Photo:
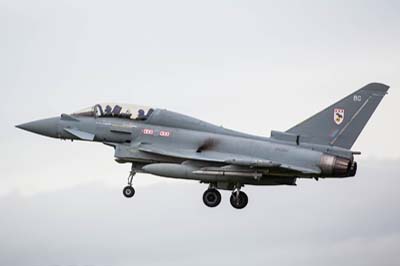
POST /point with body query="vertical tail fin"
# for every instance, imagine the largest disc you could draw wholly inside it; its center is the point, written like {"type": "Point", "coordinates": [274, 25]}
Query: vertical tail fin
{"type": "Point", "coordinates": [341, 123]}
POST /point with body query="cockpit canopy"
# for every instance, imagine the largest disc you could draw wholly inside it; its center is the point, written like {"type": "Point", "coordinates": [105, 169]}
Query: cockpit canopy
{"type": "Point", "coordinates": [128, 111]}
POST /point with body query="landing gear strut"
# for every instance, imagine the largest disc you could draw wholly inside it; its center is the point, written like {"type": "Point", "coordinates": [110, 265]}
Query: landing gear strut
{"type": "Point", "coordinates": [212, 197]}
{"type": "Point", "coordinates": [129, 191]}
{"type": "Point", "coordinates": [239, 199]}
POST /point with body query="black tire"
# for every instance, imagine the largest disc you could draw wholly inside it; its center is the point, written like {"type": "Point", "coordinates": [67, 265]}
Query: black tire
{"type": "Point", "coordinates": [212, 198]}
{"type": "Point", "coordinates": [239, 202]}
{"type": "Point", "coordinates": [129, 192]}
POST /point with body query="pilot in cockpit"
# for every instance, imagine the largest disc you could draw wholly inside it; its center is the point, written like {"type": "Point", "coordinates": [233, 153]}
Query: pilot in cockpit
{"type": "Point", "coordinates": [142, 115]}
{"type": "Point", "coordinates": [107, 111]}
{"type": "Point", "coordinates": [117, 111]}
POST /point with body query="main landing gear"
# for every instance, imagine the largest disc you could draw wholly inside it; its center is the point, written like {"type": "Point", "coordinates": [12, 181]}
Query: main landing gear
{"type": "Point", "coordinates": [239, 199]}
{"type": "Point", "coordinates": [212, 198]}
{"type": "Point", "coordinates": [129, 191]}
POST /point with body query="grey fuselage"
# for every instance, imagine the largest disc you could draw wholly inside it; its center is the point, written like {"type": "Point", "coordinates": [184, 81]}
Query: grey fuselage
{"type": "Point", "coordinates": [170, 144]}
{"type": "Point", "coordinates": [175, 132]}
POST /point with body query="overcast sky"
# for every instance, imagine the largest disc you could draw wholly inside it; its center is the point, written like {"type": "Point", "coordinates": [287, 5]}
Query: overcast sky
{"type": "Point", "coordinates": [254, 66]}
{"type": "Point", "coordinates": [331, 222]}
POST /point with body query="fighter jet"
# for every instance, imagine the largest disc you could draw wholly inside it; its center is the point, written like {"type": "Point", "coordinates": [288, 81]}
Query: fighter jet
{"type": "Point", "coordinates": [168, 144]}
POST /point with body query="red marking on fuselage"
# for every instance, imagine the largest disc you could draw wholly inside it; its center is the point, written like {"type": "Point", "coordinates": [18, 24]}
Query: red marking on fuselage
{"type": "Point", "coordinates": [165, 134]}
{"type": "Point", "coordinates": [147, 131]}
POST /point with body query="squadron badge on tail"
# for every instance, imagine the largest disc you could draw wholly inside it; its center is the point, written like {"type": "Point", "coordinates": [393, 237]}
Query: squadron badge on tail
{"type": "Point", "coordinates": [338, 116]}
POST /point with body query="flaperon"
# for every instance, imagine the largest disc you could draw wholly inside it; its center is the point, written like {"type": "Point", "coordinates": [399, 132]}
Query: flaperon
{"type": "Point", "coordinates": [169, 144]}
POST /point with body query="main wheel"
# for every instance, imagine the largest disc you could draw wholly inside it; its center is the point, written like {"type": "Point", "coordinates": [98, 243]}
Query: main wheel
{"type": "Point", "coordinates": [129, 191]}
{"type": "Point", "coordinates": [212, 198]}
{"type": "Point", "coordinates": [239, 202]}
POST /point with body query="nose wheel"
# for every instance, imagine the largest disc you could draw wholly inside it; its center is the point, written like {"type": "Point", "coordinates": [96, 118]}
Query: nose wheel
{"type": "Point", "coordinates": [129, 191]}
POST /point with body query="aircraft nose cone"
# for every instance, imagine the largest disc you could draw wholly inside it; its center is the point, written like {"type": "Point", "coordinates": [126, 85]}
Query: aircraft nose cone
{"type": "Point", "coordinates": [46, 127]}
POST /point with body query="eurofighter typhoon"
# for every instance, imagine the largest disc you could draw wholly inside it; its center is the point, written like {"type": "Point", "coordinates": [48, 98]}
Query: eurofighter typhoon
{"type": "Point", "coordinates": [168, 144]}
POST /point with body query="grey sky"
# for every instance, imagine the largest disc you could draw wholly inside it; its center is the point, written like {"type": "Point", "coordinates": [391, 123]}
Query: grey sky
{"type": "Point", "coordinates": [253, 66]}
{"type": "Point", "coordinates": [331, 222]}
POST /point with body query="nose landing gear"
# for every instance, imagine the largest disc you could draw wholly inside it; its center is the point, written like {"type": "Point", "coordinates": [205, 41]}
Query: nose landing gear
{"type": "Point", "coordinates": [129, 191]}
